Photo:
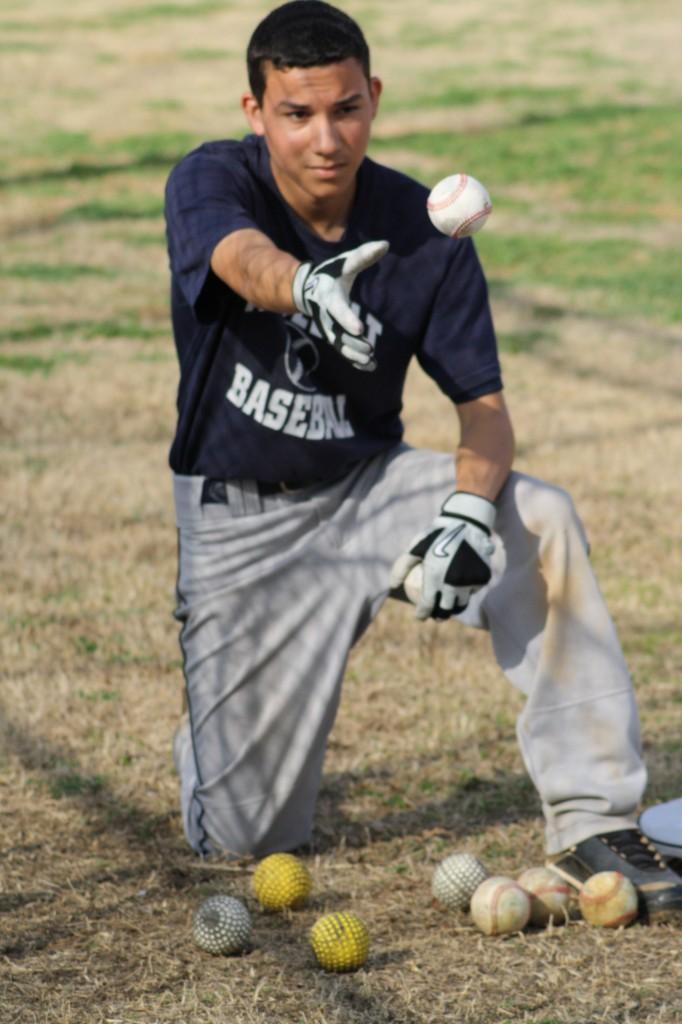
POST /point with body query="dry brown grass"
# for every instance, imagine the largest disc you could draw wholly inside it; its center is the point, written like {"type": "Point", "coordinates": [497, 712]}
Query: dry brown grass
{"type": "Point", "coordinates": [97, 887]}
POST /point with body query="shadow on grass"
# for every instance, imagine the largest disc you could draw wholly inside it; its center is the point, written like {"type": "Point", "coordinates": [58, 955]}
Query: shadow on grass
{"type": "Point", "coordinates": [469, 806]}
{"type": "Point", "coordinates": [59, 770]}
{"type": "Point", "coordinates": [82, 170]}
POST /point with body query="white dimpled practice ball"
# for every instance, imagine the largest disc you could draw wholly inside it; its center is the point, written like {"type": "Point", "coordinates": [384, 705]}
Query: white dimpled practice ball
{"type": "Point", "coordinates": [456, 879]}
{"type": "Point", "coordinates": [222, 925]}
{"type": "Point", "coordinates": [500, 906]}
{"type": "Point", "coordinates": [459, 205]}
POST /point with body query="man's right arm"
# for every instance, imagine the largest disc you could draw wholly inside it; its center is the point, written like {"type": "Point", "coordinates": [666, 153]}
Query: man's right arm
{"type": "Point", "coordinates": [272, 279]}
{"type": "Point", "coordinates": [256, 269]}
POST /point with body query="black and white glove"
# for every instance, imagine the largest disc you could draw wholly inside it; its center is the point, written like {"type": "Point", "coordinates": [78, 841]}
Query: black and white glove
{"type": "Point", "coordinates": [323, 293]}
{"type": "Point", "coordinates": [454, 553]}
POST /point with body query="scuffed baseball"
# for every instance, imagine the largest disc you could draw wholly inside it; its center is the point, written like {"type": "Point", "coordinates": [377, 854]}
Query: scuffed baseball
{"type": "Point", "coordinates": [459, 205]}
{"type": "Point", "coordinates": [549, 895]}
{"type": "Point", "coordinates": [456, 879]}
{"type": "Point", "coordinates": [608, 900]}
{"type": "Point", "coordinates": [499, 906]}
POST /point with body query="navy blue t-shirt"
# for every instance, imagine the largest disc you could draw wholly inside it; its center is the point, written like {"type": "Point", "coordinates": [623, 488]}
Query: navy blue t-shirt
{"type": "Point", "coordinates": [261, 395]}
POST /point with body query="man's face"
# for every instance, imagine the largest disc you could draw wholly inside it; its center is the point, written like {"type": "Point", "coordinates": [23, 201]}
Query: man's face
{"type": "Point", "coordinates": [316, 123]}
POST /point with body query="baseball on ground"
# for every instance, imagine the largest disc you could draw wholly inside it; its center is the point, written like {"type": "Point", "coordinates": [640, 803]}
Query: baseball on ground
{"type": "Point", "coordinates": [456, 879]}
{"type": "Point", "coordinates": [281, 880]}
{"type": "Point", "coordinates": [459, 205]}
{"type": "Point", "coordinates": [549, 896]}
{"type": "Point", "coordinates": [500, 906]}
{"type": "Point", "coordinates": [608, 900]}
{"type": "Point", "coordinates": [222, 924]}
{"type": "Point", "coordinates": [340, 942]}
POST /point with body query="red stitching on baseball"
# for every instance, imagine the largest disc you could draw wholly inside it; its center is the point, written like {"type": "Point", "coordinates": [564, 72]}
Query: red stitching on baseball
{"type": "Point", "coordinates": [441, 204]}
{"type": "Point", "coordinates": [595, 899]}
{"type": "Point", "coordinates": [498, 892]}
{"type": "Point", "coordinates": [472, 220]}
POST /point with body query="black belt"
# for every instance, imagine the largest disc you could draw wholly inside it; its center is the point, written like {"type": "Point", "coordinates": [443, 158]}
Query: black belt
{"type": "Point", "coordinates": [214, 492]}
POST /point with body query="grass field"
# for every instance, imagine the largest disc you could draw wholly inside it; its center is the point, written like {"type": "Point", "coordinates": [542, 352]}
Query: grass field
{"type": "Point", "coordinates": [570, 114]}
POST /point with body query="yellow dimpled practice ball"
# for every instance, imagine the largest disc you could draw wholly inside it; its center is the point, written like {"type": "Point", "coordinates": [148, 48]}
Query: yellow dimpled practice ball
{"type": "Point", "coordinates": [340, 942]}
{"type": "Point", "coordinates": [281, 880]}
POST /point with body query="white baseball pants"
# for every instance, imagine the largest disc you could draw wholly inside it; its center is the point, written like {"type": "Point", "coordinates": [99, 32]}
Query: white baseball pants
{"type": "Point", "coordinates": [274, 591]}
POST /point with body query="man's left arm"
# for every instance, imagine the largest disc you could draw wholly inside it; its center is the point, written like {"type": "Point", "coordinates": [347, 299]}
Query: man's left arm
{"type": "Point", "coordinates": [486, 446]}
{"type": "Point", "coordinates": [455, 551]}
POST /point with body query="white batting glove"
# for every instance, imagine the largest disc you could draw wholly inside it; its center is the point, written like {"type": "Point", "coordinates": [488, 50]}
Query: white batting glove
{"type": "Point", "coordinates": [323, 293]}
{"type": "Point", "coordinates": [455, 553]}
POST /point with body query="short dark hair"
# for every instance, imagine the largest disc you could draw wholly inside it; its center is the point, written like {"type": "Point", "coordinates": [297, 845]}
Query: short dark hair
{"type": "Point", "coordinates": [303, 34]}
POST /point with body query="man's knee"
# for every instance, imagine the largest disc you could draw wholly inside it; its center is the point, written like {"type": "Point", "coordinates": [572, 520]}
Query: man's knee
{"type": "Point", "coordinates": [546, 510]}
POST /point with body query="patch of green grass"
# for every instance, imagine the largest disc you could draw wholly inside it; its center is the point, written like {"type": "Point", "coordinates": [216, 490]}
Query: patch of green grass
{"type": "Point", "coordinates": [75, 784]}
{"type": "Point", "coordinates": [28, 332]}
{"type": "Point", "coordinates": [87, 159]}
{"type": "Point", "coordinates": [590, 60]}
{"type": "Point", "coordinates": [99, 695]}
{"type": "Point", "coordinates": [124, 329]}
{"type": "Point", "coordinates": [607, 158]}
{"type": "Point", "coordinates": [523, 341]}
{"type": "Point", "coordinates": [202, 53]}
{"type": "Point", "coordinates": [144, 240]}
{"type": "Point", "coordinates": [154, 144]}
{"type": "Point", "coordinates": [7, 25]}
{"type": "Point", "coordinates": [130, 208]}
{"type": "Point", "coordinates": [64, 143]}
{"type": "Point", "coordinates": [165, 104]}
{"type": "Point", "coordinates": [163, 11]}
{"type": "Point", "coordinates": [54, 271]}
{"type": "Point", "coordinates": [437, 92]}
{"type": "Point", "coordinates": [653, 642]}
{"type": "Point", "coordinates": [70, 592]}
{"type": "Point", "coordinates": [83, 330]}
{"type": "Point", "coordinates": [132, 16]}
{"type": "Point", "coordinates": [22, 46]}
{"type": "Point", "coordinates": [28, 364]}
{"type": "Point", "coordinates": [603, 276]}
{"type": "Point", "coordinates": [85, 645]}
{"type": "Point", "coordinates": [162, 356]}
{"type": "Point", "coordinates": [418, 34]}
{"type": "Point", "coordinates": [36, 464]}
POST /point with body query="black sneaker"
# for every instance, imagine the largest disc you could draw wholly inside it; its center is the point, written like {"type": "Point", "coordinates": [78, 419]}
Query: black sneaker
{"type": "Point", "coordinates": [631, 853]}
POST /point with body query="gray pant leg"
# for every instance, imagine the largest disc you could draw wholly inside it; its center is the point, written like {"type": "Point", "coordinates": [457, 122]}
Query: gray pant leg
{"type": "Point", "coordinates": [265, 636]}
{"type": "Point", "coordinates": [555, 641]}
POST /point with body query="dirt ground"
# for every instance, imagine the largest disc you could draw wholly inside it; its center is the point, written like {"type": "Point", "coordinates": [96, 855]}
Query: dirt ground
{"type": "Point", "coordinates": [97, 885]}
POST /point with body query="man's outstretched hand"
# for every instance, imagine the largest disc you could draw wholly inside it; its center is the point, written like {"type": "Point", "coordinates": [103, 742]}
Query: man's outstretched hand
{"type": "Point", "coordinates": [322, 292]}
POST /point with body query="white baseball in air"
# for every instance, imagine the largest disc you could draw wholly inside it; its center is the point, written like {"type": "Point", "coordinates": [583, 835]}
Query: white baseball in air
{"type": "Point", "coordinates": [459, 205]}
{"type": "Point", "coordinates": [413, 583]}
